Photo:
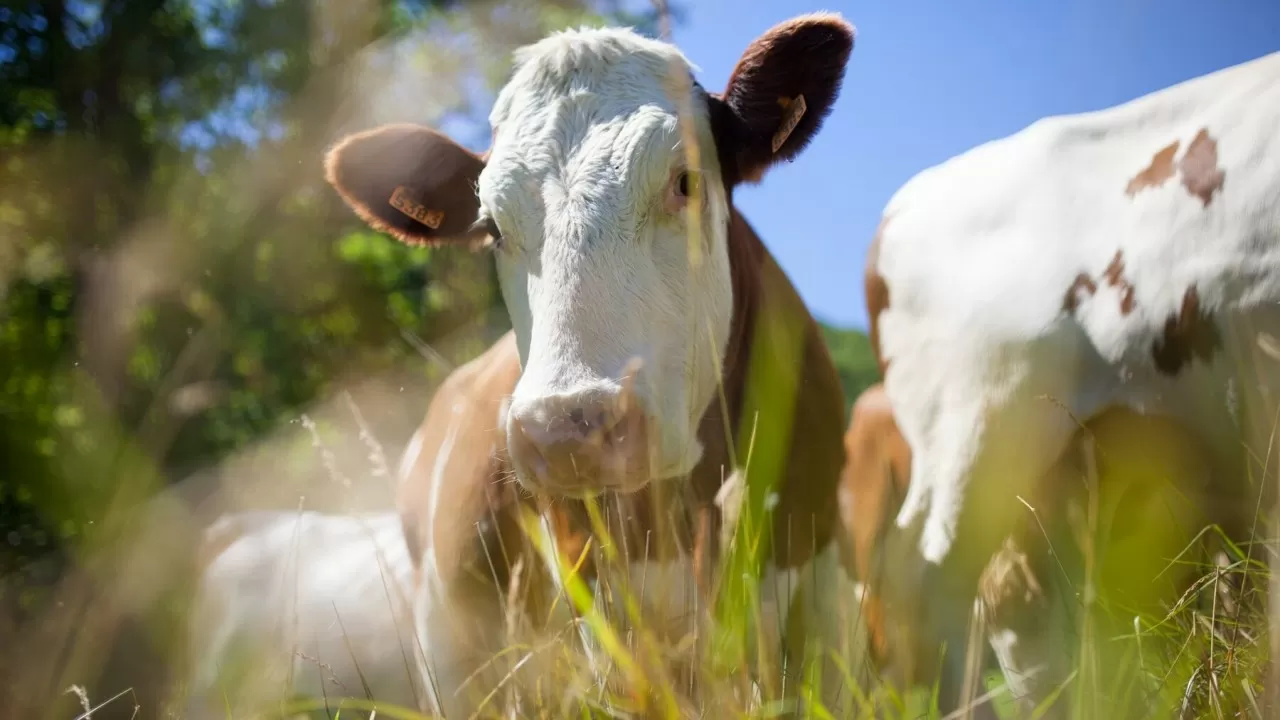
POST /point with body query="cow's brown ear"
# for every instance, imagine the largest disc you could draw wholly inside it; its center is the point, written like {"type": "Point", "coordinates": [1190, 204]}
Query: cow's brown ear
{"type": "Point", "coordinates": [781, 90]}
{"type": "Point", "coordinates": [408, 181]}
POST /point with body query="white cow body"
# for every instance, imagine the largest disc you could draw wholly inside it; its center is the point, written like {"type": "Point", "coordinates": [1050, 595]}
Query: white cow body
{"type": "Point", "coordinates": [306, 597]}
{"type": "Point", "coordinates": [990, 367]}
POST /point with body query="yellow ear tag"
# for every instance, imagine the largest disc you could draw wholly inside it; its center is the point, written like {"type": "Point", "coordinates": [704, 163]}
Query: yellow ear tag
{"type": "Point", "coordinates": [795, 110]}
{"type": "Point", "coordinates": [401, 201]}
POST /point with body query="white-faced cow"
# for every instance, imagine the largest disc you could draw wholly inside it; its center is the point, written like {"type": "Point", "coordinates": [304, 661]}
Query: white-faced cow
{"type": "Point", "coordinates": [657, 340]}
{"type": "Point", "coordinates": [1125, 257]}
{"type": "Point", "coordinates": [302, 603]}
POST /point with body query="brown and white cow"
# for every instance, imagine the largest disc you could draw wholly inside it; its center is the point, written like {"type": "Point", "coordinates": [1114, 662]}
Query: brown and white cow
{"type": "Point", "coordinates": [1125, 257]}
{"type": "Point", "coordinates": [1154, 496]}
{"type": "Point", "coordinates": [658, 343]}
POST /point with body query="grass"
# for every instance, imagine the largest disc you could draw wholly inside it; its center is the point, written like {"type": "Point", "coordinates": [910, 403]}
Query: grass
{"type": "Point", "coordinates": [1200, 653]}
{"type": "Point", "coordinates": [1197, 652]}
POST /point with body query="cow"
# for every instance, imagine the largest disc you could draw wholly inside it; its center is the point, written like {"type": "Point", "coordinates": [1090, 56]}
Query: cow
{"type": "Point", "coordinates": [1149, 466]}
{"type": "Point", "coordinates": [659, 344]}
{"type": "Point", "coordinates": [1119, 258]}
{"type": "Point", "coordinates": [302, 603]}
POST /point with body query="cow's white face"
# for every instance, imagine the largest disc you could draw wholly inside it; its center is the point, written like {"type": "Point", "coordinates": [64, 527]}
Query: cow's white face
{"type": "Point", "coordinates": [587, 188]}
{"type": "Point", "coordinates": [620, 295]}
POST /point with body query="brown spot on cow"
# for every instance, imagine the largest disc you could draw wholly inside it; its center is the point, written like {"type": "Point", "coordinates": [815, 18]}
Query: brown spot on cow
{"type": "Point", "coordinates": [1126, 300]}
{"type": "Point", "coordinates": [1114, 275]}
{"type": "Point", "coordinates": [1201, 175]}
{"type": "Point", "coordinates": [1157, 173]}
{"type": "Point", "coordinates": [1072, 299]}
{"type": "Point", "coordinates": [1115, 269]}
{"type": "Point", "coordinates": [877, 294]}
{"type": "Point", "coordinates": [1188, 334]}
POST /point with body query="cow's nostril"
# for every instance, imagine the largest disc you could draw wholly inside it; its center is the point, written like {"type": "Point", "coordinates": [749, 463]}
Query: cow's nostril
{"type": "Point", "coordinates": [593, 425]}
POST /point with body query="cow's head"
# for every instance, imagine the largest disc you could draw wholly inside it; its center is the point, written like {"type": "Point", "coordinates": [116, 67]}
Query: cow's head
{"type": "Point", "coordinates": [620, 296]}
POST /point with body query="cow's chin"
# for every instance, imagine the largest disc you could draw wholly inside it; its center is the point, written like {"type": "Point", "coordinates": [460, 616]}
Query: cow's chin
{"type": "Point", "coordinates": [616, 476]}
{"type": "Point", "coordinates": [583, 488]}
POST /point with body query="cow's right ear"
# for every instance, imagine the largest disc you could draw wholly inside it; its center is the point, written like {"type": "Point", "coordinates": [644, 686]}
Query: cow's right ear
{"type": "Point", "coordinates": [408, 181]}
{"type": "Point", "coordinates": [781, 90]}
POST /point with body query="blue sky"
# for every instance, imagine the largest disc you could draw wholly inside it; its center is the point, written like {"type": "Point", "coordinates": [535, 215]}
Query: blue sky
{"type": "Point", "coordinates": [929, 80]}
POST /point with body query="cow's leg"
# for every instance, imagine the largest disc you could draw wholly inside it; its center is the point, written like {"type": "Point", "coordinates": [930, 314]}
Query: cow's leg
{"type": "Point", "coordinates": [1027, 593]}
{"type": "Point", "coordinates": [1028, 621]}
{"type": "Point", "coordinates": [1153, 478]}
{"type": "Point", "coordinates": [944, 598]}
{"type": "Point", "coordinates": [1255, 339]}
{"type": "Point", "coordinates": [1143, 478]}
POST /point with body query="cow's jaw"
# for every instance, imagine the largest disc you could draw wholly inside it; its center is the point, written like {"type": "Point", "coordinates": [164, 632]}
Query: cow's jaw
{"type": "Point", "coordinates": [620, 320]}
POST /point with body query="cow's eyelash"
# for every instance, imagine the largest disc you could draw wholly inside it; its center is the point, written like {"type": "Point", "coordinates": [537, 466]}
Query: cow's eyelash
{"type": "Point", "coordinates": [487, 225]}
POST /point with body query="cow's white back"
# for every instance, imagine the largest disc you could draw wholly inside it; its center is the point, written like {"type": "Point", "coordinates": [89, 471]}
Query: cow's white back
{"type": "Point", "coordinates": [332, 588]}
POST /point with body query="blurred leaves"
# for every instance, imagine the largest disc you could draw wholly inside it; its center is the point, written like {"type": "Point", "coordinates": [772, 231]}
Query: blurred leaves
{"type": "Point", "coordinates": [854, 358]}
{"type": "Point", "coordinates": [176, 280]}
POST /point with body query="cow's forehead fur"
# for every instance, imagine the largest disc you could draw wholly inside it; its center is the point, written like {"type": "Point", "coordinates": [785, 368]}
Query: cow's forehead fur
{"type": "Point", "coordinates": [595, 105]}
{"type": "Point", "coordinates": [615, 63]}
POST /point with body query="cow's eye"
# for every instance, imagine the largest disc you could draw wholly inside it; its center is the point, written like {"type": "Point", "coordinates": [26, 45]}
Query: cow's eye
{"type": "Point", "coordinates": [682, 184]}
{"type": "Point", "coordinates": [491, 229]}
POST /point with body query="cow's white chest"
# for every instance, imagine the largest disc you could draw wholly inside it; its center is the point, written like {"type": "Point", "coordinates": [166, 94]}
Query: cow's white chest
{"type": "Point", "coordinates": [301, 592]}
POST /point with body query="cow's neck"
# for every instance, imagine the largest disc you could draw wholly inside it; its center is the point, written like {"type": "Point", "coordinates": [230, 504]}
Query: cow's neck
{"type": "Point", "coordinates": [785, 400]}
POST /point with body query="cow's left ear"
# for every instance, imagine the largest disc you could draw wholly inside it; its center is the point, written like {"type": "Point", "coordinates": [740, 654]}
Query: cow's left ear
{"type": "Point", "coordinates": [409, 181]}
{"type": "Point", "coordinates": [780, 92]}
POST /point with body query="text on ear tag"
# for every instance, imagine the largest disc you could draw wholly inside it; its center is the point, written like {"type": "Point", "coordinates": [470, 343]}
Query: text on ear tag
{"type": "Point", "coordinates": [401, 201]}
{"type": "Point", "coordinates": [795, 110]}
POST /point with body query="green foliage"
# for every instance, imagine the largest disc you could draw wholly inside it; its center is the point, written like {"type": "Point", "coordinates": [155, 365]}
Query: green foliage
{"type": "Point", "coordinates": [855, 360]}
{"type": "Point", "coordinates": [176, 280]}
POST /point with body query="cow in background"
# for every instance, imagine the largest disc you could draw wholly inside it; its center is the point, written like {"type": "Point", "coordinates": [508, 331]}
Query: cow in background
{"type": "Point", "coordinates": [1151, 482]}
